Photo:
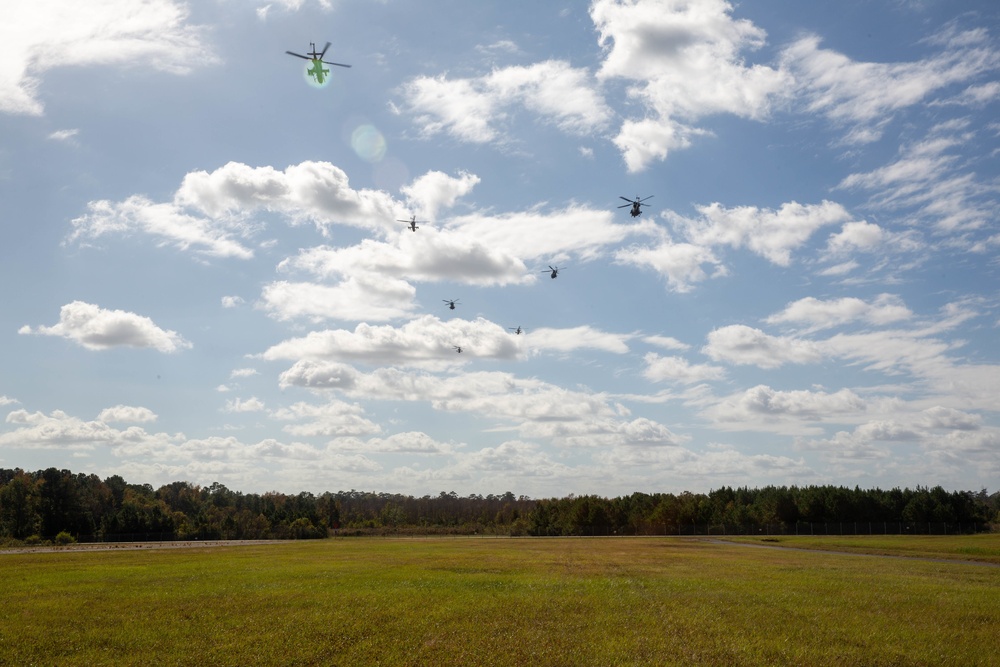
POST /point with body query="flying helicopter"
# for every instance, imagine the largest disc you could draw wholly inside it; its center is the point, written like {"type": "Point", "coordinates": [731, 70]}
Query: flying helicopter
{"type": "Point", "coordinates": [635, 204]}
{"type": "Point", "coordinates": [554, 270]}
{"type": "Point", "coordinates": [457, 348]}
{"type": "Point", "coordinates": [518, 331]}
{"type": "Point", "coordinates": [412, 222]}
{"type": "Point", "coordinates": [451, 303]}
{"type": "Point", "coordinates": [317, 71]}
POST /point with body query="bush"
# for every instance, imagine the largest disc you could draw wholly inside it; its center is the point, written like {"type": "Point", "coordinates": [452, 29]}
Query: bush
{"type": "Point", "coordinates": [64, 538]}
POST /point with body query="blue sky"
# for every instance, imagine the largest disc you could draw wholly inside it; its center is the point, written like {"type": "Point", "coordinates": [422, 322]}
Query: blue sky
{"type": "Point", "coordinates": [205, 280]}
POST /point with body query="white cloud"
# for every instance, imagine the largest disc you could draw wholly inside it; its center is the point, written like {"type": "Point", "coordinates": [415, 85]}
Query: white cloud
{"type": "Point", "coordinates": [860, 235]}
{"type": "Point", "coordinates": [243, 372]}
{"type": "Point", "coordinates": [318, 192]}
{"type": "Point", "coordinates": [688, 59]}
{"type": "Point", "coordinates": [575, 338]}
{"type": "Point", "coordinates": [210, 212]}
{"type": "Point", "coordinates": [409, 442]}
{"type": "Point", "coordinates": [232, 301]}
{"type": "Point", "coordinates": [548, 235]}
{"type": "Point", "coordinates": [252, 404]}
{"type": "Point", "coordinates": [42, 35]}
{"type": "Point", "coordinates": [678, 369]}
{"type": "Point", "coordinates": [435, 191]}
{"type": "Point", "coordinates": [165, 221]}
{"type": "Point", "coordinates": [428, 256]}
{"type": "Point", "coordinates": [667, 342]}
{"type": "Point", "coordinates": [367, 296]}
{"type": "Point", "coordinates": [65, 135]}
{"type": "Point", "coordinates": [930, 182]}
{"type": "Point", "coordinates": [6, 400]}
{"type": "Point", "coordinates": [471, 109]}
{"type": "Point", "coordinates": [680, 263]}
{"type": "Point", "coordinates": [742, 345]}
{"type": "Point", "coordinates": [425, 341]}
{"type": "Point", "coordinates": [864, 96]}
{"type": "Point", "coordinates": [127, 413]}
{"type": "Point", "coordinates": [334, 418]}
{"type": "Point", "coordinates": [58, 430]}
{"type": "Point", "coordinates": [772, 234]}
{"type": "Point", "coordinates": [98, 329]}
{"type": "Point", "coordinates": [818, 314]}
{"type": "Point", "coordinates": [761, 407]}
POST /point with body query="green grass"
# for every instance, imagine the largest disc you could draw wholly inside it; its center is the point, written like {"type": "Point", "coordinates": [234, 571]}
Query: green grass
{"type": "Point", "coordinates": [618, 601]}
{"type": "Point", "coordinates": [981, 548]}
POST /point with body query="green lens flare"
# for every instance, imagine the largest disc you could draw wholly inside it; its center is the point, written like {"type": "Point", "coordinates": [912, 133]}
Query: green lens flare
{"type": "Point", "coordinates": [368, 143]}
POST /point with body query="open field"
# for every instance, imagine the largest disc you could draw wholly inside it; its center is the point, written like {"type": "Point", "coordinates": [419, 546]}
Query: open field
{"type": "Point", "coordinates": [624, 601]}
{"type": "Point", "coordinates": [984, 547]}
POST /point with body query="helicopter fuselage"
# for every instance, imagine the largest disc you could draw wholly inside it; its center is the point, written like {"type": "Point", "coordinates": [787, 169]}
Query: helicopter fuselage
{"type": "Point", "coordinates": [317, 71]}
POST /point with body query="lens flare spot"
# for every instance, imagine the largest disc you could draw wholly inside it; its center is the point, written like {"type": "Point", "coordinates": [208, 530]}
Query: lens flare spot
{"type": "Point", "coordinates": [368, 143]}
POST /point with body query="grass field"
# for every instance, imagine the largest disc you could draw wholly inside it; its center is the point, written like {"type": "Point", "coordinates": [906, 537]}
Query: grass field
{"type": "Point", "coordinates": [981, 548]}
{"type": "Point", "coordinates": [624, 601]}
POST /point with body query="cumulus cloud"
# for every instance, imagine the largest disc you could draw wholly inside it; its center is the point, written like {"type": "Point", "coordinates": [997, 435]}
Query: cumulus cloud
{"type": "Point", "coordinates": [6, 400]}
{"type": "Point", "coordinates": [252, 404]}
{"type": "Point", "coordinates": [435, 190]}
{"type": "Point", "coordinates": [368, 297]}
{"type": "Point", "coordinates": [679, 369]}
{"type": "Point", "coordinates": [166, 222]}
{"type": "Point", "coordinates": [98, 329]}
{"type": "Point", "coordinates": [680, 263]}
{"type": "Point", "coordinates": [667, 342]}
{"type": "Point", "coordinates": [59, 430]}
{"type": "Point", "coordinates": [232, 301]}
{"type": "Point", "coordinates": [471, 109]}
{"type": "Point", "coordinates": [429, 256]}
{"type": "Point", "coordinates": [425, 341]}
{"type": "Point", "coordinates": [770, 233]}
{"type": "Point", "coordinates": [742, 345]}
{"type": "Point", "coordinates": [127, 413]}
{"type": "Point", "coordinates": [689, 62]}
{"type": "Point", "coordinates": [210, 210]}
{"type": "Point", "coordinates": [575, 338]}
{"type": "Point", "coordinates": [45, 34]}
{"type": "Point", "coordinates": [409, 442]}
{"type": "Point", "coordinates": [335, 419]}
{"type": "Point", "coordinates": [548, 234]}
{"type": "Point", "coordinates": [761, 407]}
{"type": "Point", "coordinates": [819, 314]}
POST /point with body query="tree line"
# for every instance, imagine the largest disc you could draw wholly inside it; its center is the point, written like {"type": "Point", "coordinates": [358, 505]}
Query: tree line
{"type": "Point", "coordinates": [64, 506]}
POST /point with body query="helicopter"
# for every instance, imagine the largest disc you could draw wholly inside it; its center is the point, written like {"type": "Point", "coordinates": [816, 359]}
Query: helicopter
{"type": "Point", "coordinates": [518, 331]}
{"type": "Point", "coordinates": [317, 71]}
{"type": "Point", "coordinates": [457, 348]}
{"type": "Point", "coordinates": [451, 303]}
{"type": "Point", "coordinates": [635, 204]}
{"type": "Point", "coordinates": [555, 271]}
{"type": "Point", "coordinates": [412, 222]}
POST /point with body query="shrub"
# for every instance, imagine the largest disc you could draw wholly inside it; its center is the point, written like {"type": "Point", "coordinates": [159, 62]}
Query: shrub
{"type": "Point", "coordinates": [64, 538]}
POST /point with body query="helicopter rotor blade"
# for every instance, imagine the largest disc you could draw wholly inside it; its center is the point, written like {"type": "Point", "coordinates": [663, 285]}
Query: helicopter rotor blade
{"type": "Point", "coordinates": [298, 55]}
{"type": "Point", "coordinates": [624, 205]}
{"type": "Point", "coordinates": [323, 52]}
{"type": "Point", "coordinates": [337, 64]}
{"type": "Point", "coordinates": [626, 199]}
{"type": "Point", "coordinates": [645, 198]}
